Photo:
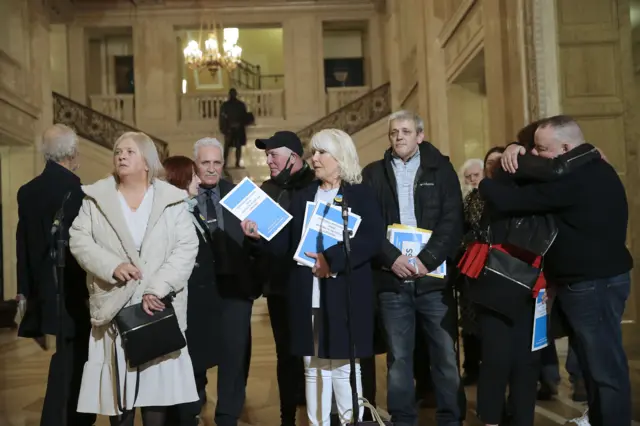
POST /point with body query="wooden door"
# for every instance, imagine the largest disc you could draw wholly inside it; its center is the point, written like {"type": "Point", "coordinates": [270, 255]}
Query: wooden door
{"type": "Point", "coordinates": [597, 88]}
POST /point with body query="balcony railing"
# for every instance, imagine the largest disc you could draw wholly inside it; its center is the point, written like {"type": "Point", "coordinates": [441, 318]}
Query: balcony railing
{"type": "Point", "coordinates": [120, 107]}
{"type": "Point", "coordinates": [95, 126]}
{"type": "Point", "coordinates": [354, 116]}
{"type": "Point", "coordinates": [262, 103]}
{"type": "Point", "coordinates": [337, 97]}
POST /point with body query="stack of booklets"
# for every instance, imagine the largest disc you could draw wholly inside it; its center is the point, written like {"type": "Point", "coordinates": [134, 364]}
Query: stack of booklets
{"type": "Point", "coordinates": [410, 241]}
{"type": "Point", "coordinates": [323, 228]}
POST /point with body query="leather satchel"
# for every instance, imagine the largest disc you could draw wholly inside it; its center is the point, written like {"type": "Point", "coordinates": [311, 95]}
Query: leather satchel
{"type": "Point", "coordinates": [505, 284]}
{"type": "Point", "coordinates": [146, 337]}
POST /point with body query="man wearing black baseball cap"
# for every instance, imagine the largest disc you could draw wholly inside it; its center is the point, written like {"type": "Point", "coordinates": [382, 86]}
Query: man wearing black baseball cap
{"type": "Point", "coordinates": [289, 173]}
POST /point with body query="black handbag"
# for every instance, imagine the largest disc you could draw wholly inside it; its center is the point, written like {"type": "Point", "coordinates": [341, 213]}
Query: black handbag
{"type": "Point", "coordinates": [505, 284]}
{"type": "Point", "coordinates": [146, 337]}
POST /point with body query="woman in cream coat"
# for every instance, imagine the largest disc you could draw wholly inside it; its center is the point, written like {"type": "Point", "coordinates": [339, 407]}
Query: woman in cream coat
{"type": "Point", "coordinates": [135, 239]}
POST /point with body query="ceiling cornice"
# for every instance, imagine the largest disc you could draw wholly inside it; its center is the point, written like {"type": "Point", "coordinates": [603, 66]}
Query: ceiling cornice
{"type": "Point", "coordinates": [190, 12]}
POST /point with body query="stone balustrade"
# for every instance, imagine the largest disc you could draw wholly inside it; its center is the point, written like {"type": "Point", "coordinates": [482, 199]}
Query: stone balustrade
{"type": "Point", "coordinates": [121, 107]}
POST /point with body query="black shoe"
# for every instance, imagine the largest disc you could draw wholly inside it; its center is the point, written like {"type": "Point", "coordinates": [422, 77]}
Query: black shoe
{"type": "Point", "coordinates": [547, 391]}
{"type": "Point", "coordinates": [579, 392]}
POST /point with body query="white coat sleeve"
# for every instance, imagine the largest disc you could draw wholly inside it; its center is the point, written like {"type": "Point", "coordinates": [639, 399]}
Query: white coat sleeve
{"type": "Point", "coordinates": [176, 270]}
{"type": "Point", "coordinates": [92, 257]}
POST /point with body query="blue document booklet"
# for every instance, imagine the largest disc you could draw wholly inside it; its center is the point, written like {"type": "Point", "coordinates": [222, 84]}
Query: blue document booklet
{"type": "Point", "coordinates": [410, 241]}
{"type": "Point", "coordinates": [540, 339]}
{"type": "Point", "coordinates": [323, 230]}
{"type": "Point", "coordinates": [247, 201]}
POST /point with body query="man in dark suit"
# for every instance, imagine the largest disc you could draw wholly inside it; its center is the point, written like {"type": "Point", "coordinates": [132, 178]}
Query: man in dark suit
{"type": "Point", "coordinates": [233, 121]}
{"type": "Point", "coordinates": [233, 276]}
{"type": "Point", "coordinates": [39, 203]}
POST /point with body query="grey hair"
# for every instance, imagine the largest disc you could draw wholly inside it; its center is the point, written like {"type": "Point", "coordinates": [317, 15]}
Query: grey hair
{"type": "Point", "coordinates": [470, 162]}
{"type": "Point", "coordinates": [565, 129]}
{"type": "Point", "coordinates": [341, 147]}
{"type": "Point", "coordinates": [149, 153]}
{"type": "Point", "coordinates": [569, 133]}
{"type": "Point", "coordinates": [200, 143]}
{"type": "Point", "coordinates": [59, 143]}
{"type": "Point", "coordinates": [409, 116]}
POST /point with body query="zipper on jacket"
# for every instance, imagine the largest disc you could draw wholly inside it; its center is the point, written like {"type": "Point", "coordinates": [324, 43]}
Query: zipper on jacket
{"type": "Point", "coordinates": [582, 155]}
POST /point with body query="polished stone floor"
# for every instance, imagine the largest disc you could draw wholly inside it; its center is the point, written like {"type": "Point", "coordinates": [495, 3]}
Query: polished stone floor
{"type": "Point", "coordinates": [24, 365]}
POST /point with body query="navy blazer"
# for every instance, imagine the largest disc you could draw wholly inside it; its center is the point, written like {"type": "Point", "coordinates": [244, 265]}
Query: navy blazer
{"type": "Point", "coordinates": [332, 323]}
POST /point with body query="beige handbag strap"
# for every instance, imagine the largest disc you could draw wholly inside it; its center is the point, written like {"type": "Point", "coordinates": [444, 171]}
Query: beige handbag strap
{"type": "Point", "coordinates": [374, 413]}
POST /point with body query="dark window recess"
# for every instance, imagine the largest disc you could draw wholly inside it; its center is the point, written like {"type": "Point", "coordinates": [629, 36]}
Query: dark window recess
{"type": "Point", "coordinates": [344, 72]}
{"type": "Point", "coordinates": [124, 74]}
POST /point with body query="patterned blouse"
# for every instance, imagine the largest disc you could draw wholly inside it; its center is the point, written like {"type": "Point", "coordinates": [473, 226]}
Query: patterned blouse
{"type": "Point", "coordinates": [473, 207]}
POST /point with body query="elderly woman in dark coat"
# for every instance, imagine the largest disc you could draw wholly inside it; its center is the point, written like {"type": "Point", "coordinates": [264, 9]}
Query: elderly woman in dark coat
{"type": "Point", "coordinates": [318, 295]}
{"type": "Point", "coordinates": [203, 300]}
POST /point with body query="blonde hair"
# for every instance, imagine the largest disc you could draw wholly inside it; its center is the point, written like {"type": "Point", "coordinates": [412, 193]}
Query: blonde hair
{"type": "Point", "coordinates": [341, 147]}
{"type": "Point", "coordinates": [149, 154]}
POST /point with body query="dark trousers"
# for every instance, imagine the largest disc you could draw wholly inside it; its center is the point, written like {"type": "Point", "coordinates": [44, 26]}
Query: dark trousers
{"type": "Point", "coordinates": [472, 353]}
{"type": "Point", "coordinates": [507, 360]}
{"type": "Point", "coordinates": [436, 315]}
{"type": "Point", "coordinates": [233, 370]}
{"type": "Point", "coordinates": [594, 311]}
{"type": "Point", "coordinates": [233, 139]}
{"type": "Point", "coordinates": [550, 372]}
{"type": "Point", "coordinates": [290, 369]}
{"type": "Point", "coordinates": [74, 355]}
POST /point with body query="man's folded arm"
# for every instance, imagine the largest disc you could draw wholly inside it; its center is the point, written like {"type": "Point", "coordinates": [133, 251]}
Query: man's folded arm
{"type": "Point", "coordinates": [534, 198]}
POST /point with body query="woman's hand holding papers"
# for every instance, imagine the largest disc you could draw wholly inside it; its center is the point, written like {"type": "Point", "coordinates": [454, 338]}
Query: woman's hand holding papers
{"type": "Point", "coordinates": [250, 229]}
{"type": "Point", "coordinates": [321, 268]}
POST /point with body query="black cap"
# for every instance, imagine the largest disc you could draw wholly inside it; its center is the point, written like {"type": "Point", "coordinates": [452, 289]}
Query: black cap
{"type": "Point", "coordinates": [279, 139]}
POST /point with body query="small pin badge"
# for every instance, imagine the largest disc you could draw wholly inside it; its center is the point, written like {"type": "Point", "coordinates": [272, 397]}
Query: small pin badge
{"type": "Point", "coordinates": [338, 199]}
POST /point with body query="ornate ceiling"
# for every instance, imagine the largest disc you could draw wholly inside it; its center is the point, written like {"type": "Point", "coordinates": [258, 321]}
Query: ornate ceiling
{"type": "Point", "coordinates": [205, 2]}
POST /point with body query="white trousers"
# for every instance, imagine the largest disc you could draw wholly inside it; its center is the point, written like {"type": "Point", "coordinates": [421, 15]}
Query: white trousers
{"type": "Point", "coordinates": [325, 378]}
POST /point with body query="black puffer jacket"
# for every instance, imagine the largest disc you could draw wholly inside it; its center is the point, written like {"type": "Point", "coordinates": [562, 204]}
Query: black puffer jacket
{"type": "Point", "coordinates": [438, 207]}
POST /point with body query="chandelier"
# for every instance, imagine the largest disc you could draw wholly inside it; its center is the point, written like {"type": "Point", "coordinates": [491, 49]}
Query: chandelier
{"type": "Point", "coordinates": [216, 55]}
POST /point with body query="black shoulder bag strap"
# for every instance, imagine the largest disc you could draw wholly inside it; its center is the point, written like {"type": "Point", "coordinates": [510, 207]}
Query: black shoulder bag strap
{"type": "Point", "coordinates": [121, 402]}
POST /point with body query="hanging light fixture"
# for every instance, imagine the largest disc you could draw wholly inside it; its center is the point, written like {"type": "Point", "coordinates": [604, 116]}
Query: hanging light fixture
{"type": "Point", "coordinates": [216, 55]}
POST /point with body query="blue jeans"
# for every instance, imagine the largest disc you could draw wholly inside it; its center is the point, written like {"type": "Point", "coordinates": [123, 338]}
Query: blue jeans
{"type": "Point", "coordinates": [435, 311]}
{"type": "Point", "coordinates": [594, 311]}
{"type": "Point", "coordinates": [550, 372]}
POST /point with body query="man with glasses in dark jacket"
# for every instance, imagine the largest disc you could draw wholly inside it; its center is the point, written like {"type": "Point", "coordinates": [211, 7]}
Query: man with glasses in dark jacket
{"type": "Point", "coordinates": [417, 186]}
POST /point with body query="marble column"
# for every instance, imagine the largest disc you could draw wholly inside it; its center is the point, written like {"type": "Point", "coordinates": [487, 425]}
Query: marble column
{"type": "Point", "coordinates": [59, 54]}
{"type": "Point", "coordinates": [20, 163]}
{"type": "Point", "coordinates": [303, 70]}
{"type": "Point", "coordinates": [505, 88]}
{"type": "Point", "coordinates": [375, 58]}
{"type": "Point", "coordinates": [77, 48]}
{"type": "Point", "coordinates": [155, 73]}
